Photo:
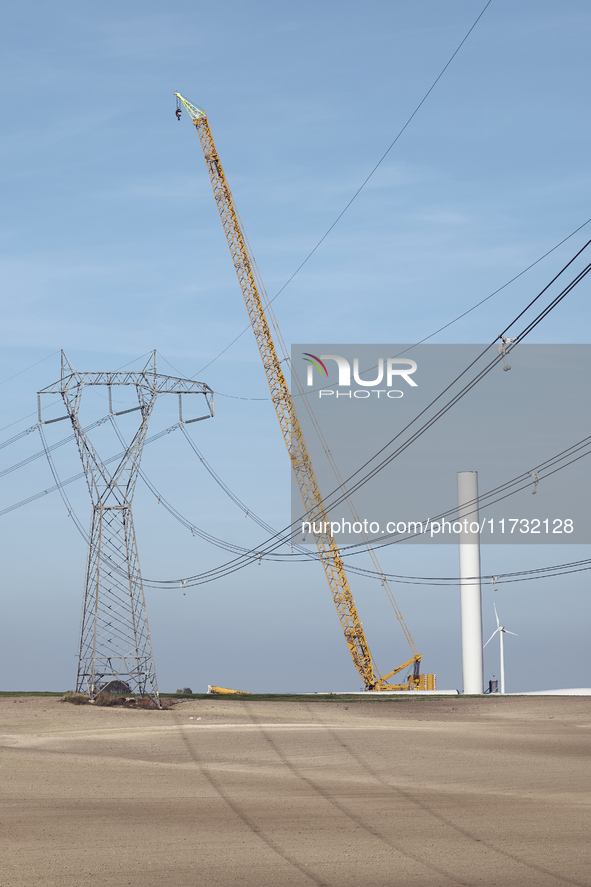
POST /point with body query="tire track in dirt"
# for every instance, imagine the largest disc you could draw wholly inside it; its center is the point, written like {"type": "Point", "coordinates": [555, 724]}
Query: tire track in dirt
{"type": "Point", "coordinates": [237, 810]}
{"type": "Point", "coordinates": [436, 815]}
{"type": "Point", "coordinates": [353, 817]}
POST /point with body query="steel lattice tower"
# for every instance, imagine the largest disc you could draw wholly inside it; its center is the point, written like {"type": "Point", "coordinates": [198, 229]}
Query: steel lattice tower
{"type": "Point", "coordinates": [114, 637]}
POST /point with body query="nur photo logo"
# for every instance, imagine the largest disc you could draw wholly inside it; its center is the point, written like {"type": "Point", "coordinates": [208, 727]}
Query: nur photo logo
{"type": "Point", "coordinates": [387, 371]}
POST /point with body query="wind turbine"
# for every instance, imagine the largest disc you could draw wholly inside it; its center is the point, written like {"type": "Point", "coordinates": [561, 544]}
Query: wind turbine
{"type": "Point", "coordinates": [501, 630]}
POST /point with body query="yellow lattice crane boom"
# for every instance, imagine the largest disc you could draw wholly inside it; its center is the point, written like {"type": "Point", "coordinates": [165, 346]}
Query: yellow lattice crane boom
{"type": "Point", "coordinates": [256, 300]}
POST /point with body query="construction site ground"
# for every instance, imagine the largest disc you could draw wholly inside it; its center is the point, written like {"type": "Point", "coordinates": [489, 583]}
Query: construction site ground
{"type": "Point", "coordinates": [341, 792]}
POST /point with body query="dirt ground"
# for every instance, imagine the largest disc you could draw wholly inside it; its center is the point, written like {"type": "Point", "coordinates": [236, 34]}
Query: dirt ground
{"type": "Point", "coordinates": [440, 791]}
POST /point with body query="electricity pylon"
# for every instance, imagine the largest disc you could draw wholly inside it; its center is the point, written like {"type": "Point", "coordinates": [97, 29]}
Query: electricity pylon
{"type": "Point", "coordinates": [114, 637]}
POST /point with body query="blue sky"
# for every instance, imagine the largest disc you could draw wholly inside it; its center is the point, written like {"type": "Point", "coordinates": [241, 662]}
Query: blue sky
{"type": "Point", "coordinates": [111, 246]}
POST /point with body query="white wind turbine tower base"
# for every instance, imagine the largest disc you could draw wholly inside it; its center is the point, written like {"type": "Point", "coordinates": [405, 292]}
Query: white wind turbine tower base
{"type": "Point", "coordinates": [501, 631]}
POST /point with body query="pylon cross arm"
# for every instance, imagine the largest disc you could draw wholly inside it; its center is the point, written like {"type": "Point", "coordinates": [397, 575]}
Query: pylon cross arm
{"type": "Point", "coordinates": [147, 384]}
{"type": "Point", "coordinates": [152, 382]}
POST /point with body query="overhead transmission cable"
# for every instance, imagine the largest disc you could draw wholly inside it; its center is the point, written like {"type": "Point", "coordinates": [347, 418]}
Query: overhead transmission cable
{"type": "Point", "coordinates": [18, 437]}
{"type": "Point", "coordinates": [420, 342]}
{"type": "Point", "coordinates": [54, 446]}
{"type": "Point", "coordinates": [425, 338]}
{"type": "Point", "coordinates": [258, 553]}
{"type": "Point", "coordinates": [348, 551]}
{"type": "Point", "coordinates": [26, 369]}
{"type": "Point", "coordinates": [194, 529]}
{"type": "Point", "coordinates": [515, 576]}
{"type": "Point", "coordinates": [524, 479]}
{"type": "Point", "coordinates": [81, 474]}
{"type": "Point", "coordinates": [330, 505]}
{"type": "Point", "coordinates": [281, 536]}
{"type": "Point", "coordinates": [364, 183]}
{"type": "Point", "coordinates": [329, 500]}
{"type": "Point", "coordinates": [276, 540]}
{"type": "Point", "coordinates": [542, 572]}
{"type": "Point", "coordinates": [504, 286]}
{"type": "Point", "coordinates": [555, 301]}
{"type": "Point", "coordinates": [556, 462]}
{"type": "Point", "coordinates": [60, 486]}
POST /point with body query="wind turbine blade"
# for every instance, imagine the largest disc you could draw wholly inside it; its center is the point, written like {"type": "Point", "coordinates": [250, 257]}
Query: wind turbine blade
{"type": "Point", "coordinates": [511, 632]}
{"type": "Point", "coordinates": [491, 637]}
{"type": "Point", "coordinates": [496, 616]}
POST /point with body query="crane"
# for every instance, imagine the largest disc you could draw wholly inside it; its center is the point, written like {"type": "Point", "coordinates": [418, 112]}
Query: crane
{"type": "Point", "coordinates": [256, 301]}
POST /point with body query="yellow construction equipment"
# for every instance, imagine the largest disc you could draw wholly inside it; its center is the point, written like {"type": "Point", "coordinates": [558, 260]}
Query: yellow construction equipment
{"type": "Point", "coordinates": [256, 301]}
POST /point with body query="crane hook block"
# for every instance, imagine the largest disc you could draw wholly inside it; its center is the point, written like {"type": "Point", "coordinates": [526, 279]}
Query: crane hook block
{"type": "Point", "coordinates": [178, 113]}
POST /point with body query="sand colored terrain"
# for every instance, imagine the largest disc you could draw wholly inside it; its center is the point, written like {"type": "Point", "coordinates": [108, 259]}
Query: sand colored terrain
{"type": "Point", "coordinates": [409, 792]}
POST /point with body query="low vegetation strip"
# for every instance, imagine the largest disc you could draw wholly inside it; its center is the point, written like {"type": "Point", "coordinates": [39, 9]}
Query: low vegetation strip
{"type": "Point", "coordinates": [251, 697]}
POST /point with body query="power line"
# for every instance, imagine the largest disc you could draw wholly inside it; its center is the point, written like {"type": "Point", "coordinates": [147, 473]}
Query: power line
{"type": "Point", "coordinates": [479, 504]}
{"type": "Point", "coordinates": [22, 419]}
{"type": "Point", "coordinates": [280, 537]}
{"type": "Point", "coordinates": [284, 536]}
{"type": "Point", "coordinates": [543, 572]}
{"type": "Point", "coordinates": [256, 553]}
{"type": "Point", "coordinates": [18, 436]}
{"type": "Point", "coordinates": [504, 286]}
{"type": "Point", "coordinates": [466, 388]}
{"type": "Point", "coordinates": [421, 341]}
{"type": "Point", "coordinates": [410, 347]}
{"type": "Point", "coordinates": [276, 540]}
{"type": "Point", "coordinates": [236, 397]}
{"type": "Point", "coordinates": [194, 529]}
{"type": "Point", "coordinates": [331, 503]}
{"type": "Point", "coordinates": [81, 474]}
{"type": "Point", "coordinates": [364, 183]}
{"type": "Point", "coordinates": [54, 446]}
{"type": "Point", "coordinates": [26, 369]}
{"type": "Point", "coordinates": [348, 550]}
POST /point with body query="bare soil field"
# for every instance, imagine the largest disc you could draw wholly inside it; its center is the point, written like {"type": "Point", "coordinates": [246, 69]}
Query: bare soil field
{"type": "Point", "coordinates": [440, 791]}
